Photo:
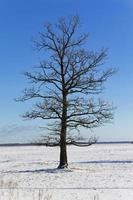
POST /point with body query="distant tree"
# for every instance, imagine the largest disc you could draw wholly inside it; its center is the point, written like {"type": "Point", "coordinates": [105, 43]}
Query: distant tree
{"type": "Point", "coordinates": [66, 82]}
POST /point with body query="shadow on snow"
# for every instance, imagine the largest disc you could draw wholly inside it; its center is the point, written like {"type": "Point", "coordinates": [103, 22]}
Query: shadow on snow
{"type": "Point", "coordinates": [53, 170]}
{"type": "Point", "coordinates": [56, 170]}
{"type": "Point", "coordinates": [106, 162]}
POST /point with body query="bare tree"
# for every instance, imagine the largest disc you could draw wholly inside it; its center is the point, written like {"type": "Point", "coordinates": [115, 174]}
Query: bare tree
{"type": "Point", "coordinates": [66, 82]}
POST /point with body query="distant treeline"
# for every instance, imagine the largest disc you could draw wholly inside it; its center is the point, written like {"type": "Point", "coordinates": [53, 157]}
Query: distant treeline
{"type": "Point", "coordinates": [46, 144]}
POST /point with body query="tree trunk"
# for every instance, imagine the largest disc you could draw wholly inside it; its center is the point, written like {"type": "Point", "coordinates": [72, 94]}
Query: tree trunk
{"type": "Point", "coordinates": [63, 146]}
{"type": "Point", "coordinates": [63, 152]}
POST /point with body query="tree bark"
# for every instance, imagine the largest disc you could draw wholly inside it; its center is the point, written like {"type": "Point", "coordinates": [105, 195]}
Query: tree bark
{"type": "Point", "coordinates": [63, 146]}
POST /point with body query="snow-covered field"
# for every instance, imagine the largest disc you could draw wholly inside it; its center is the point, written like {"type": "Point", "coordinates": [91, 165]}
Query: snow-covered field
{"type": "Point", "coordinates": [98, 172]}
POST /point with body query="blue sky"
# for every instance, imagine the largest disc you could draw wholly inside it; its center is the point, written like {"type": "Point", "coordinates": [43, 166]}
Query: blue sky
{"type": "Point", "coordinates": [110, 24]}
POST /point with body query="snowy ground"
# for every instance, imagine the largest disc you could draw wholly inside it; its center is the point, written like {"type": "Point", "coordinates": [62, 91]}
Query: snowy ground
{"type": "Point", "coordinates": [98, 172]}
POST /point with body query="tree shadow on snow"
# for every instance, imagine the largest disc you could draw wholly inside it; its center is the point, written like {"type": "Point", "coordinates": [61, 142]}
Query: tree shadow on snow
{"type": "Point", "coordinates": [106, 162]}
{"type": "Point", "coordinates": [53, 170]}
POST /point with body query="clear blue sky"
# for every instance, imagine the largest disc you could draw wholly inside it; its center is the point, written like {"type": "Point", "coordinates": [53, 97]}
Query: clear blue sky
{"type": "Point", "coordinates": [110, 24]}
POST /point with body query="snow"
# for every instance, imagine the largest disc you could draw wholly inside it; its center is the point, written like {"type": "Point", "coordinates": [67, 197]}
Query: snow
{"type": "Point", "coordinates": [97, 172]}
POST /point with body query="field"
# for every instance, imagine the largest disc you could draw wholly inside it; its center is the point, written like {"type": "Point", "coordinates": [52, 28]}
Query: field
{"type": "Point", "coordinates": [98, 172]}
